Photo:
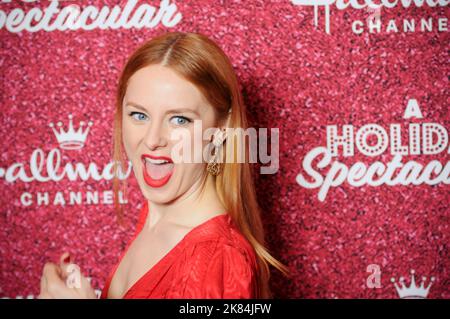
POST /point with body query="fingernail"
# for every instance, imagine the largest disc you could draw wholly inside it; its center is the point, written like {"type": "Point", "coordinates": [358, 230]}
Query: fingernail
{"type": "Point", "coordinates": [67, 259]}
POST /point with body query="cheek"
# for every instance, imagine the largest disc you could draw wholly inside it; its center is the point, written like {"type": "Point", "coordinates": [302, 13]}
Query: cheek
{"type": "Point", "coordinates": [131, 138]}
{"type": "Point", "coordinates": [189, 173]}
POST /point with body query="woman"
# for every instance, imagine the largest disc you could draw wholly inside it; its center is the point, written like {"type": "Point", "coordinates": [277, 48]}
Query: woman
{"type": "Point", "coordinates": [199, 232]}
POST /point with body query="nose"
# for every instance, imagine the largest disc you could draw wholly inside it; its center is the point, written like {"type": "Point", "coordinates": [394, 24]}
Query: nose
{"type": "Point", "coordinates": [155, 137]}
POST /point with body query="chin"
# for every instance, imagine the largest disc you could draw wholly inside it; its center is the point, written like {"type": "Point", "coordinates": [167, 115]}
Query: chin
{"type": "Point", "coordinates": [157, 195]}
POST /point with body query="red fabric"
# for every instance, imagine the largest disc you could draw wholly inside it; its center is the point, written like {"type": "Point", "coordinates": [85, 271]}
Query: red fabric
{"type": "Point", "coordinates": [213, 260]}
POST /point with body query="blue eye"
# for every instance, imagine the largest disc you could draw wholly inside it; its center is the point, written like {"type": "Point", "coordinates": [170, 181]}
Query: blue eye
{"type": "Point", "coordinates": [180, 120]}
{"type": "Point", "coordinates": [138, 116]}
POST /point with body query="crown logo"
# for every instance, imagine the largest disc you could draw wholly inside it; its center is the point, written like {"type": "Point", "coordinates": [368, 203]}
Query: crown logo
{"type": "Point", "coordinates": [71, 139]}
{"type": "Point", "coordinates": [413, 291]}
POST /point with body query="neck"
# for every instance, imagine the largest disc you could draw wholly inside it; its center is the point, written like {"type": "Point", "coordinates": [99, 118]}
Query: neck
{"type": "Point", "coordinates": [193, 207]}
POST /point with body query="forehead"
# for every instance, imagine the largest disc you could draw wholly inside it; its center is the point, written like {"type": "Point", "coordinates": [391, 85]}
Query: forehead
{"type": "Point", "coordinates": [161, 87]}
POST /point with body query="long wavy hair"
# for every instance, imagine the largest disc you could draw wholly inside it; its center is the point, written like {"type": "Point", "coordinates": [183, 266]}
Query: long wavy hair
{"type": "Point", "coordinates": [202, 62]}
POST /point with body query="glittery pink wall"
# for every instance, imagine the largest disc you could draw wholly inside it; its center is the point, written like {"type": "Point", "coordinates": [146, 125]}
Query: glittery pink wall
{"type": "Point", "coordinates": [296, 77]}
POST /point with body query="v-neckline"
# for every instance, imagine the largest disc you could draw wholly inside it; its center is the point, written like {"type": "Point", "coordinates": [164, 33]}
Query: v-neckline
{"type": "Point", "coordinates": [162, 260]}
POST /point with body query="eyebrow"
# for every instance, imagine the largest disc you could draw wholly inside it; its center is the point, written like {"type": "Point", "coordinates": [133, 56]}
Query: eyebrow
{"type": "Point", "coordinates": [180, 110]}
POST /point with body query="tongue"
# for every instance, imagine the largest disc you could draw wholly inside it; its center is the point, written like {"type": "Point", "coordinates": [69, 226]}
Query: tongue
{"type": "Point", "coordinates": [158, 171]}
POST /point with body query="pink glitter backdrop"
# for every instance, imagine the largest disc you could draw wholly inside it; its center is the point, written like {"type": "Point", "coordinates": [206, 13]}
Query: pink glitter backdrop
{"type": "Point", "coordinates": [295, 77]}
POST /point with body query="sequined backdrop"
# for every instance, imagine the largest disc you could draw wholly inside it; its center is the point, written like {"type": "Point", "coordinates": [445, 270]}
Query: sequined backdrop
{"type": "Point", "coordinates": [321, 74]}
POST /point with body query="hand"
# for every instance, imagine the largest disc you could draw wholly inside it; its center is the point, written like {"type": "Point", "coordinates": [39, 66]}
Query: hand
{"type": "Point", "coordinates": [64, 281]}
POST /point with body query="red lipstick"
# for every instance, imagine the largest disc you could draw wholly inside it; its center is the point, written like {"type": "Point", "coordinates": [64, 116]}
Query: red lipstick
{"type": "Point", "coordinates": [161, 167]}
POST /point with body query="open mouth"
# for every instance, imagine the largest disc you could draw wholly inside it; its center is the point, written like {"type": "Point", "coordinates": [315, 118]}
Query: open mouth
{"type": "Point", "coordinates": [157, 170]}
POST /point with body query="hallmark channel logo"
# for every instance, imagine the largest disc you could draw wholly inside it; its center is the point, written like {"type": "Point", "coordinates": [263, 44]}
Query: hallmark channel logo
{"type": "Point", "coordinates": [71, 139]}
{"type": "Point", "coordinates": [43, 168]}
{"type": "Point", "coordinates": [413, 291]}
{"type": "Point", "coordinates": [374, 22]}
{"type": "Point", "coordinates": [410, 290]}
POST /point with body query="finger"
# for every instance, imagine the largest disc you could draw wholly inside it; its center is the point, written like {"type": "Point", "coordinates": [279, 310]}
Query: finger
{"type": "Point", "coordinates": [50, 270]}
{"type": "Point", "coordinates": [65, 258]}
{"type": "Point", "coordinates": [44, 294]}
{"type": "Point", "coordinates": [54, 283]}
{"type": "Point", "coordinates": [64, 270]}
{"type": "Point", "coordinates": [64, 261]}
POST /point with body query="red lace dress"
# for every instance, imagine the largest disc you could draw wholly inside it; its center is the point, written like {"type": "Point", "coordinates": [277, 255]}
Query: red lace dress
{"type": "Point", "coordinates": [213, 260]}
